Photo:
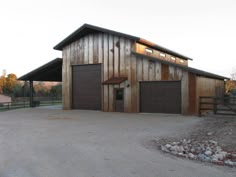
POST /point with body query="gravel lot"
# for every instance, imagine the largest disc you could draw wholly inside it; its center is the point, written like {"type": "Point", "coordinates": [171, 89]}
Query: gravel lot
{"type": "Point", "coordinates": [55, 143]}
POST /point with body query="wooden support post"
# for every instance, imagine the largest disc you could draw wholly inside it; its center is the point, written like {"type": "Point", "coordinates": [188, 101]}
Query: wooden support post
{"type": "Point", "coordinates": [31, 94]}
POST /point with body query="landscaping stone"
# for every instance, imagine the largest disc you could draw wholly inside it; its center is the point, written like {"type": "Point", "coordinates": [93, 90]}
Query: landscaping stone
{"type": "Point", "coordinates": [207, 151]}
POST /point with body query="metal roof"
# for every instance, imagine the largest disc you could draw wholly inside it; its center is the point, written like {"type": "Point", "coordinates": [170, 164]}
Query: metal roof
{"type": "Point", "coordinates": [51, 71]}
{"type": "Point", "coordinates": [88, 29]}
{"type": "Point", "coordinates": [192, 70]}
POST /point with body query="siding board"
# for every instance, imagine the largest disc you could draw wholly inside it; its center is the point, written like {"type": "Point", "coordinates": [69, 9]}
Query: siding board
{"type": "Point", "coordinates": [158, 71]}
{"type": "Point", "coordinates": [111, 72]}
{"type": "Point", "coordinates": [133, 84]}
{"type": "Point", "coordinates": [95, 49]}
{"type": "Point", "coordinates": [151, 74]}
{"type": "Point", "coordinates": [122, 58]}
{"type": "Point", "coordinates": [100, 48]}
{"type": "Point", "coordinates": [81, 51]}
{"type": "Point", "coordinates": [145, 70]}
{"type": "Point", "coordinates": [185, 92]}
{"type": "Point", "coordinates": [164, 72]}
{"type": "Point", "coordinates": [192, 94]}
{"type": "Point", "coordinates": [127, 101]}
{"type": "Point", "coordinates": [105, 72]}
{"type": "Point", "coordinates": [116, 46]}
{"type": "Point", "coordinates": [90, 49]}
{"type": "Point", "coordinates": [86, 50]}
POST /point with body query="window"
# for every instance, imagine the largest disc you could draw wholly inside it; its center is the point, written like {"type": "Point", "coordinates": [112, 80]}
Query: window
{"type": "Point", "coordinates": [149, 50]}
{"type": "Point", "coordinates": [173, 58]}
{"type": "Point", "coordinates": [162, 55]}
{"type": "Point", "coordinates": [119, 94]}
{"type": "Point", "coordinates": [181, 61]}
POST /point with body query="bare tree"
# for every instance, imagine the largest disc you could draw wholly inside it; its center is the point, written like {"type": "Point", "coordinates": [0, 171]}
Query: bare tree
{"type": "Point", "coordinates": [233, 75]}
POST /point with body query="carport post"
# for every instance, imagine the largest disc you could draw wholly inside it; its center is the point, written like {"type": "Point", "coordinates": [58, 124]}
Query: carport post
{"type": "Point", "coordinates": [31, 93]}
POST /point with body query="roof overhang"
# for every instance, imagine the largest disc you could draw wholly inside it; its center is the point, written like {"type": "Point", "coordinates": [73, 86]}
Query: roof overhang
{"type": "Point", "coordinates": [51, 71]}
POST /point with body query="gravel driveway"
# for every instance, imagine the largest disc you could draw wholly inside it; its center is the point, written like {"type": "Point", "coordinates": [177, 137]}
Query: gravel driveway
{"type": "Point", "coordinates": [55, 143]}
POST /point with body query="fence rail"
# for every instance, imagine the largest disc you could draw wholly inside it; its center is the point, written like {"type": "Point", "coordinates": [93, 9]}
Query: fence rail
{"type": "Point", "coordinates": [218, 105]}
{"type": "Point", "coordinates": [24, 104]}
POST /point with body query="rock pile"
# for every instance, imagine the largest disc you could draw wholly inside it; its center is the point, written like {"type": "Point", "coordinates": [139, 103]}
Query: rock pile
{"type": "Point", "coordinates": [208, 151]}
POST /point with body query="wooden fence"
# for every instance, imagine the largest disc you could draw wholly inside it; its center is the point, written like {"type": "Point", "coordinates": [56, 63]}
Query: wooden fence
{"type": "Point", "coordinates": [24, 104]}
{"type": "Point", "coordinates": [218, 105]}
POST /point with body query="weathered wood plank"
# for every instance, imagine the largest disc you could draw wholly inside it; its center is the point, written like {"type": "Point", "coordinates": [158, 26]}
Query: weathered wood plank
{"type": "Point", "coordinates": [100, 60]}
{"type": "Point", "coordinates": [111, 98]}
{"type": "Point", "coordinates": [164, 72]}
{"type": "Point", "coordinates": [111, 56]}
{"type": "Point", "coordinates": [72, 53]}
{"type": "Point", "coordinates": [171, 73]}
{"type": "Point", "coordinates": [179, 73]}
{"type": "Point", "coordinates": [145, 70]}
{"type": "Point", "coordinates": [81, 51]}
{"type": "Point", "coordinates": [192, 94]}
{"type": "Point", "coordinates": [116, 45]}
{"type": "Point", "coordinates": [90, 49]}
{"type": "Point", "coordinates": [100, 48]}
{"type": "Point", "coordinates": [184, 92]}
{"type": "Point", "coordinates": [95, 49]}
{"type": "Point", "coordinates": [127, 101]}
{"type": "Point", "coordinates": [77, 54]}
{"type": "Point", "coordinates": [158, 71]}
{"type": "Point", "coordinates": [64, 71]}
{"type": "Point", "coordinates": [151, 74]}
{"type": "Point", "coordinates": [86, 50]}
{"type": "Point", "coordinates": [133, 84]}
{"type": "Point", "coordinates": [122, 58]}
{"type": "Point", "coordinates": [105, 71]}
{"type": "Point", "coordinates": [67, 78]}
{"type": "Point", "coordinates": [111, 71]}
{"type": "Point", "coordinates": [139, 69]}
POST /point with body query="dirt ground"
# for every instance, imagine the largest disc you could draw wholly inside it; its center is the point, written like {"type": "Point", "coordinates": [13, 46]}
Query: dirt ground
{"type": "Point", "coordinates": [57, 143]}
{"type": "Point", "coordinates": [212, 127]}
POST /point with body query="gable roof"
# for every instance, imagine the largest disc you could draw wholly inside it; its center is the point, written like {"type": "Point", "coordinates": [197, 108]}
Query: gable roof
{"type": "Point", "coordinates": [88, 29]}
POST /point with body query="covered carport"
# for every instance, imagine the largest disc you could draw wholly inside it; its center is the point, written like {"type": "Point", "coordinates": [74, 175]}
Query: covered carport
{"type": "Point", "coordinates": [51, 71]}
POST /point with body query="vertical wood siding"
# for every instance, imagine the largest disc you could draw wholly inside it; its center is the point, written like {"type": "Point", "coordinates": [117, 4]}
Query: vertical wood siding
{"type": "Point", "coordinates": [192, 94]}
{"type": "Point", "coordinates": [208, 87]}
{"type": "Point", "coordinates": [114, 53]}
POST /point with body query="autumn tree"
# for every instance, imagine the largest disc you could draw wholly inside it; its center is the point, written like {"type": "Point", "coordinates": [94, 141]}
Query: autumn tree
{"type": "Point", "coordinates": [231, 84]}
{"type": "Point", "coordinates": [11, 81]}
{"type": "Point", "coordinates": [2, 82]}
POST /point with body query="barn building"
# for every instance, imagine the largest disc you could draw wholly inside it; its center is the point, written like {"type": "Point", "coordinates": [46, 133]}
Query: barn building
{"type": "Point", "coordinates": [115, 72]}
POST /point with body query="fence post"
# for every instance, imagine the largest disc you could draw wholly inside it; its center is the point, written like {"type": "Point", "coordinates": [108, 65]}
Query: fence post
{"type": "Point", "coordinates": [8, 105]}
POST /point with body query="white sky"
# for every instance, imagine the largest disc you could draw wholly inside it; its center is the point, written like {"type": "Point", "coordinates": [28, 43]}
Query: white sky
{"type": "Point", "coordinates": [204, 30]}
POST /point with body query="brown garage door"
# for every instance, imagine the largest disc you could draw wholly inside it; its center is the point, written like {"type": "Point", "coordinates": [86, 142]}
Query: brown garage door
{"type": "Point", "coordinates": [160, 97]}
{"type": "Point", "coordinates": [86, 85]}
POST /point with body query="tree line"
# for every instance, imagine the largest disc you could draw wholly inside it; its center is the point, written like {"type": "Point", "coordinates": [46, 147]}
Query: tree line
{"type": "Point", "coordinates": [9, 85]}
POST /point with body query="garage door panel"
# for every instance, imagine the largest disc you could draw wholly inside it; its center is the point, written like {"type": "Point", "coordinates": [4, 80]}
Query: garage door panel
{"type": "Point", "coordinates": [160, 97]}
{"type": "Point", "coordinates": [86, 84]}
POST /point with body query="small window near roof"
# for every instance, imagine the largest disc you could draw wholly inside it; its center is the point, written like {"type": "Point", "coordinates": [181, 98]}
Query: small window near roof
{"type": "Point", "coordinates": [162, 55]}
{"type": "Point", "coordinates": [149, 50]}
{"type": "Point", "coordinates": [181, 61]}
{"type": "Point", "coordinates": [173, 58]}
